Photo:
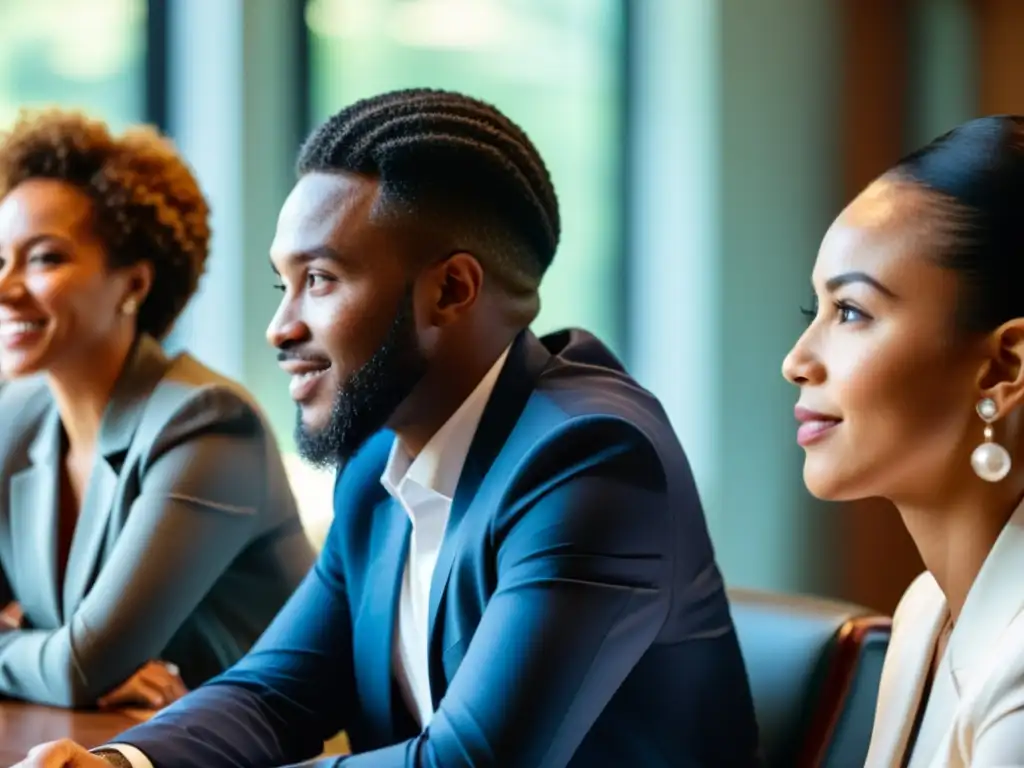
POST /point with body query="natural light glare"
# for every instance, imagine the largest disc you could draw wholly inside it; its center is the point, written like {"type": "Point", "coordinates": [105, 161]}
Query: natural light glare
{"type": "Point", "coordinates": [454, 24]}
{"type": "Point", "coordinates": [94, 40]}
{"type": "Point", "coordinates": [314, 495]}
{"type": "Point", "coordinates": [343, 18]}
{"type": "Point", "coordinates": [81, 54]}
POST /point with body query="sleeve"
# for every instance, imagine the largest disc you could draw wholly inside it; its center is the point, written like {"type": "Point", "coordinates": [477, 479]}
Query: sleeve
{"type": "Point", "coordinates": [279, 704]}
{"type": "Point", "coordinates": [190, 520]}
{"type": "Point", "coordinates": [584, 571]}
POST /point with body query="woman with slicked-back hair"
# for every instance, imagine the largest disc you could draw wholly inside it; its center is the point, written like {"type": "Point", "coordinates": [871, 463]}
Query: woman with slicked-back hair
{"type": "Point", "coordinates": [911, 377]}
{"type": "Point", "coordinates": [147, 531]}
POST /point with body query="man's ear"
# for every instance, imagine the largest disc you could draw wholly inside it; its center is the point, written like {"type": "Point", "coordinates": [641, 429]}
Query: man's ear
{"type": "Point", "coordinates": [457, 283]}
{"type": "Point", "coordinates": [1002, 376]}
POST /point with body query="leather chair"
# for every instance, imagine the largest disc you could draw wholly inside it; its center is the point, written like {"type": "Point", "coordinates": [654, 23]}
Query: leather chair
{"type": "Point", "coordinates": [814, 668]}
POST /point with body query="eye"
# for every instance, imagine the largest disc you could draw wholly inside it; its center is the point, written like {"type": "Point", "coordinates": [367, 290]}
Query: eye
{"type": "Point", "coordinates": [46, 258]}
{"type": "Point", "coordinates": [279, 287]}
{"type": "Point", "coordinates": [316, 280]}
{"type": "Point", "coordinates": [849, 313]}
{"type": "Point", "coordinates": [810, 312]}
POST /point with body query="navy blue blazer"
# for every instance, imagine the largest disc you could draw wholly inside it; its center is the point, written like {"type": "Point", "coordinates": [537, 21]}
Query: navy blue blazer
{"type": "Point", "coordinates": [577, 616]}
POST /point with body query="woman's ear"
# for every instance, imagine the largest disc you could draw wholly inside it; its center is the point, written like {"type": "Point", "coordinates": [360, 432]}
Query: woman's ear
{"type": "Point", "coordinates": [140, 281]}
{"type": "Point", "coordinates": [1002, 378]}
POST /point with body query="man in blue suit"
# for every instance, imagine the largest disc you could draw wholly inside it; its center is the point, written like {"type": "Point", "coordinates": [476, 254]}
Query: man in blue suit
{"type": "Point", "coordinates": [519, 572]}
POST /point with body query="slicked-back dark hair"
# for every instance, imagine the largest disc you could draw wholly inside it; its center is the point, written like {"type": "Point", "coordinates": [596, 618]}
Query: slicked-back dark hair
{"type": "Point", "coordinates": [976, 172]}
{"type": "Point", "coordinates": [456, 162]}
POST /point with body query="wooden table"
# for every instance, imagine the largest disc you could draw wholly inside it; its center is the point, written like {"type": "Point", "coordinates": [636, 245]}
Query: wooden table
{"type": "Point", "coordinates": [23, 726]}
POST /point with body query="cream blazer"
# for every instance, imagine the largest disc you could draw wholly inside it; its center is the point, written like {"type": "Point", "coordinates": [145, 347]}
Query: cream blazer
{"type": "Point", "coordinates": [985, 660]}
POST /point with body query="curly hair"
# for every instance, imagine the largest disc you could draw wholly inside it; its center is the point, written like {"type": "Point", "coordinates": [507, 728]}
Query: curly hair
{"type": "Point", "coordinates": [148, 205]}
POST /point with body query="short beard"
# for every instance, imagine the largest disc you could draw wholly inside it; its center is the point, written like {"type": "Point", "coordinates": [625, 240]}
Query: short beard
{"type": "Point", "coordinates": [365, 402]}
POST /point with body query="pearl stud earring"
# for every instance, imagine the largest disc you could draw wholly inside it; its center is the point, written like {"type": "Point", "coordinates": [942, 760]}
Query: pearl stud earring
{"type": "Point", "coordinates": [990, 461]}
{"type": "Point", "coordinates": [130, 306]}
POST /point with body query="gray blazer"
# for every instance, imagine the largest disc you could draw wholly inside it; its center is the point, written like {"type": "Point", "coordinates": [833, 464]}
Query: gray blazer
{"type": "Point", "coordinates": [187, 543]}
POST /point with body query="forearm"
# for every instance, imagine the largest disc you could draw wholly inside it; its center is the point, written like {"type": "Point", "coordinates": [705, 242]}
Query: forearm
{"type": "Point", "coordinates": [40, 666]}
{"type": "Point", "coordinates": [72, 666]}
{"type": "Point", "coordinates": [277, 705]}
{"type": "Point", "coordinates": [224, 725]}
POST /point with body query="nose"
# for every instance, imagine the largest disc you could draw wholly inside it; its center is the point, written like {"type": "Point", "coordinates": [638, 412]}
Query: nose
{"type": "Point", "coordinates": [801, 366]}
{"type": "Point", "coordinates": [286, 327]}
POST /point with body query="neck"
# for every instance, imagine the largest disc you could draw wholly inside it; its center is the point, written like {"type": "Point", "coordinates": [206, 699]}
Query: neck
{"type": "Point", "coordinates": [443, 389]}
{"type": "Point", "coordinates": [955, 536]}
{"type": "Point", "coordinates": [82, 390]}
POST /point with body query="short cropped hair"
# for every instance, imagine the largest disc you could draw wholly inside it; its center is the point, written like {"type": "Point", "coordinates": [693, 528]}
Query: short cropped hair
{"type": "Point", "coordinates": [456, 162]}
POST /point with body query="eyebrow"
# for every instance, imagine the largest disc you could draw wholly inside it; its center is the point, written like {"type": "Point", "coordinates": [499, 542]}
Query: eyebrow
{"type": "Point", "coordinates": [43, 237]}
{"type": "Point", "coordinates": [857, 277]}
{"type": "Point", "coordinates": [314, 254]}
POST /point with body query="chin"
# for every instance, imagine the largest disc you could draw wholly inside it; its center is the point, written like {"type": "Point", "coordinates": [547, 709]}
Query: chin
{"type": "Point", "coordinates": [20, 369]}
{"type": "Point", "coordinates": [827, 484]}
{"type": "Point", "coordinates": [312, 418]}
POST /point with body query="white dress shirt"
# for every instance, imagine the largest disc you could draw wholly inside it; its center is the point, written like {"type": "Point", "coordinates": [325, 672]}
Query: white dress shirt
{"type": "Point", "coordinates": [424, 487]}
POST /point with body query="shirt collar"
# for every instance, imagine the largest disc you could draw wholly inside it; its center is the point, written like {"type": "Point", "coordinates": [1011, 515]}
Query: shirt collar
{"type": "Point", "coordinates": [437, 468]}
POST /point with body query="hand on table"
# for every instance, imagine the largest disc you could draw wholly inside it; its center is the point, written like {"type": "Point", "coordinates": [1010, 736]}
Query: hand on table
{"type": "Point", "coordinates": [61, 754]}
{"type": "Point", "coordinates": [155, 685]}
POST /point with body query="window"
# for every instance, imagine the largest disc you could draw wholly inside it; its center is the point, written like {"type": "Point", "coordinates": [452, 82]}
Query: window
{"type": "Point", "coordinates": [83, 54]}
{"type": "Point", "coordinates": [554, 66]}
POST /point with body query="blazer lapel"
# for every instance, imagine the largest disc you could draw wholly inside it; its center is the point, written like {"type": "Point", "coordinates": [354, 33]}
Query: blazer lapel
{"type": "Point", "coordinates": [907, 663]}
{"type": "Point", "coordinates": [374, 623]}
{"type": "Point", "coordinates": [34, 513]}
{"type": "Point", "coordinates": [993, 601]}
{"type": "Point", "coordinates": [143, 371]}
{"type": "Point", "coordinates": [526, 359]}
{"type": "Point", "coordinates": [87, 541]}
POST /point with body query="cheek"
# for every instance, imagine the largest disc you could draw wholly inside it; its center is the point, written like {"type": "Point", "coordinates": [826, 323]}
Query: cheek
{"type": "Point", "coordinates": [346, 325]}
{"type": "Point", "coordinates": [80, 304]}
{"type": "Point", "coordinates": [899, 387]}
{"type": "Point", "coordinates": [904, 404]}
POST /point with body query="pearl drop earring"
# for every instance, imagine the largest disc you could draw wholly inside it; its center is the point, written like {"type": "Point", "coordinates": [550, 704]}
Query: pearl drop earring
{"type": "Point", "coordinates": [990, 461]}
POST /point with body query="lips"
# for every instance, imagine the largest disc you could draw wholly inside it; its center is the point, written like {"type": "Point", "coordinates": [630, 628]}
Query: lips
{"type": "Point", "coordinates": [814, 426]}
{"type": "Point", "coordinates": [17, 333]}
{"type": "Point", "coordinates": [307, 375]}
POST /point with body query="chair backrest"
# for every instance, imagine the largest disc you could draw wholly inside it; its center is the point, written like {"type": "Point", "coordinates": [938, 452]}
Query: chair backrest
{"type": "Point", "coordinates": [814, 668]}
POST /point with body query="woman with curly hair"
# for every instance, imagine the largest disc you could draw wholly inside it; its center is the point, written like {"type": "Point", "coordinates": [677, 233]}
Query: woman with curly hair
{"type": "Point", "coordinates": [148, 534]}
